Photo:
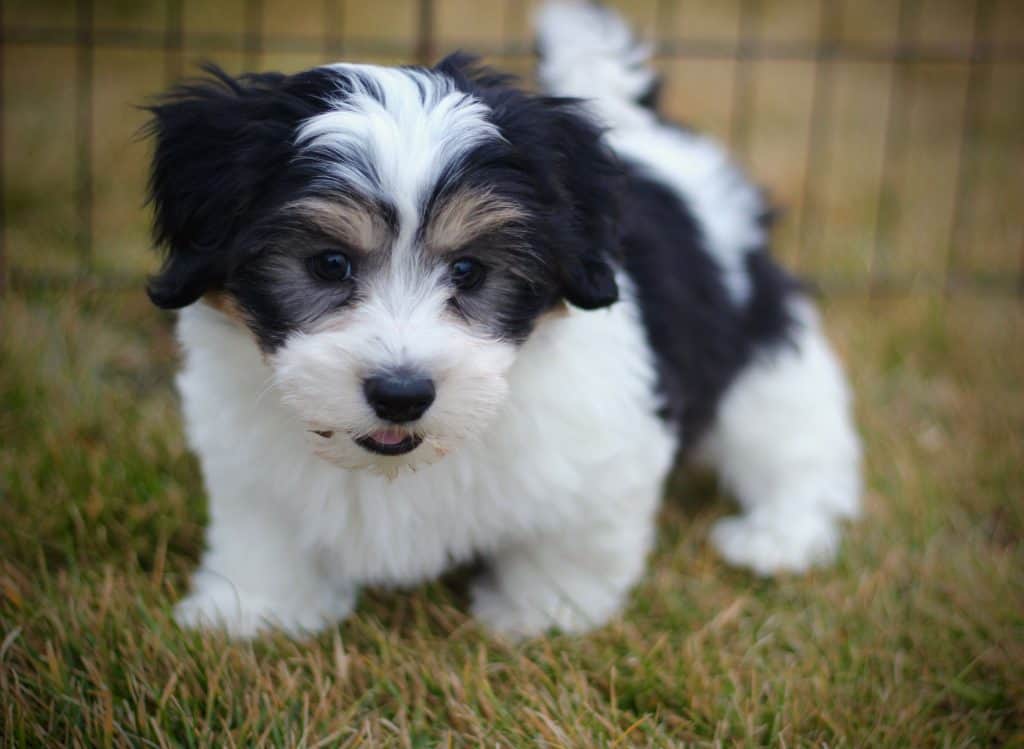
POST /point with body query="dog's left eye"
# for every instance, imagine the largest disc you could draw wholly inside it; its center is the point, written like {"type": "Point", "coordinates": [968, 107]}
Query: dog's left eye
{"type": "Point", "coordinates": [467, 273]}
{"type": "Point", "coordinates": [331, 266]}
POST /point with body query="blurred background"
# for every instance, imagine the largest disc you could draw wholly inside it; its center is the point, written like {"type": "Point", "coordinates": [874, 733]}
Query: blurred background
{"type": "Point", "coordinates": [891, 132]}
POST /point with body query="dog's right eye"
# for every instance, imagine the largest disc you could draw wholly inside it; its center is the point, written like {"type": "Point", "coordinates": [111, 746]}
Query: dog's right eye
{"type": "Point", "coordinates": [467, 273]}
{"type": "Point", "coordinates": [330, 266]}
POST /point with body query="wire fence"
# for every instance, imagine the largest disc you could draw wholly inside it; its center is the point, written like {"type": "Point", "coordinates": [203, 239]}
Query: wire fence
{"type": "Point", "coordinates": [975, 208]}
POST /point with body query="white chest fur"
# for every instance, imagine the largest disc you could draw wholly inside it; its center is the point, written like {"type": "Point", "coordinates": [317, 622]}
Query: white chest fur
{"type": "Point", "coordinates": [577, 440]}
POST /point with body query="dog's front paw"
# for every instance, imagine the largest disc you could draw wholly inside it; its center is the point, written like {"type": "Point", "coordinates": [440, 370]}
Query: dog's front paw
{"type": "Point", "coordinates": [217, 604]}
{"type": "Point", "coordinates": [530, 613]}
{"type": "Point", "coordinates": [773, 543]}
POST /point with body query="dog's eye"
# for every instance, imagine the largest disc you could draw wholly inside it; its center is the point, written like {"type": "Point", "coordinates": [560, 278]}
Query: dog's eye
{"type": "Point", "coordinates": [467, 273]}
{"type": "Point", "coordinates": [330, 266]}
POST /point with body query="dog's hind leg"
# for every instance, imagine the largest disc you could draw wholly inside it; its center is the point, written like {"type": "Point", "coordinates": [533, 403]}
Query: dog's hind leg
{"type": "Point", "coordinates": [784, 444]}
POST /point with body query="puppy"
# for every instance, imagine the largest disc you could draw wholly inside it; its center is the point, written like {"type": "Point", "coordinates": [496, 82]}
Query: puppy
{"type": "Point", "coordinates": [428, 317]}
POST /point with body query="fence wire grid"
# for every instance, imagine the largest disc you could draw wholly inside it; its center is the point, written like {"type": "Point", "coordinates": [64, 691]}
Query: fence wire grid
{"type": "Point", "coordinates": [890, 132]}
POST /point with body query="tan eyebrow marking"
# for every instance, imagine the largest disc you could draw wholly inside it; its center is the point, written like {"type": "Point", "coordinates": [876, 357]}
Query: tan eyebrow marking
{"type": "Point", "coordinates": [226, 305]}
{"type": "Point", "coordinates": [467, 214]}
{"type": "Point", "coordinates": [359, 225]}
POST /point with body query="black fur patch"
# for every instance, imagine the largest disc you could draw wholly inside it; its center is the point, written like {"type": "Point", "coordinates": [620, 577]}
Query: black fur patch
{"type": "Point", "coordinates": [701, 339]}
{"type": "Point", "coordinates": [223, 147]}
{"type": "Point", "coordinates": [556, 162]}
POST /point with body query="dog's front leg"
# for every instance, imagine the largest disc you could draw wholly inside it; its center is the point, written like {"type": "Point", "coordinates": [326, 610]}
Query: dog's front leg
{"type": "Point", "coordinates": [255, 576]}
{"type": "Point", "coordinates": [572, 581]}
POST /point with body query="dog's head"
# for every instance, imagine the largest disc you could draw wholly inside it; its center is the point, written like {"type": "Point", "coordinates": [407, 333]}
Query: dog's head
{"type": "Point", "coordinates": [390, 236]}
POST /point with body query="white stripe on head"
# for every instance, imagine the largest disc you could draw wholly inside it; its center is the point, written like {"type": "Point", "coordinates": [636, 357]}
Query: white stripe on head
{"type": "Point", "coordinates": [394, 132]}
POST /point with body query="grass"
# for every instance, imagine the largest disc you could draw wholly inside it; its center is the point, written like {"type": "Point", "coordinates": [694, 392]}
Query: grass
{"type": "Point", "coordinates": [915, 638]}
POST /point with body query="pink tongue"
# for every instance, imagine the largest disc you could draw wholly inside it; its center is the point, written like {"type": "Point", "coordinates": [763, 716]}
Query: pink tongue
{"type": "Point", "coordinates": [388, 436]}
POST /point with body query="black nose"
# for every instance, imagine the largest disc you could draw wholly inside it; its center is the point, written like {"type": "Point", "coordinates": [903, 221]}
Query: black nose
{"type": "Point", "coordinates": [399, 396]}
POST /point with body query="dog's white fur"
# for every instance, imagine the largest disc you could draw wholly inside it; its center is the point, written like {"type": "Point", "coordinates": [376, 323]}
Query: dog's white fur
{"type": "Point", "coordinates": [552, 472]}
{"type": "Point", "coordinates": [423, 125]}
{"type": "Point", "coordinates": [401, 322]}
{"type": "Point", "coordinates": [560, 490]}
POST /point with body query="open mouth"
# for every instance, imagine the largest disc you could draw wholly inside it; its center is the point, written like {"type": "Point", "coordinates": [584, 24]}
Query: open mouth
{"type": "Point", "coordinates": [390, 441]}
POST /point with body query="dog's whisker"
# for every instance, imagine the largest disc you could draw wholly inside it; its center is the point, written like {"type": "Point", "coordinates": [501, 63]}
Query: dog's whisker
{"type": "Point", "coordinates": [269, 384]}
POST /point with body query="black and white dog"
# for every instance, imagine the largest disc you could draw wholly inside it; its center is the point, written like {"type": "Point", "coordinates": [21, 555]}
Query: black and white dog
{"type": "Point", "coordinates": [428, 317]}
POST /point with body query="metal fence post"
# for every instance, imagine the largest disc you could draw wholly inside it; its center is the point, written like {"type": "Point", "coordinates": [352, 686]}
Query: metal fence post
{"type": "Point", "coordinates": [818, 128]}
{"type": "Point", "coordinates": [741, 113]}
{"type": "Point", "coordinates": [3, 160]}
{"type": "Point", "coordinates": [334, 36]}
{"type": "Point", "coordinates": [887, 210]}
{"type": "Point", "coordinates": [83, 130]}
{"type": "Point", "coordinates": [977, 80]}
{"type": "Point", "coordinates": [252, 49]}
{"type": "Point", "coordinates": [174, 40]}
{"type": "Point", "coordinates": [425, 32]}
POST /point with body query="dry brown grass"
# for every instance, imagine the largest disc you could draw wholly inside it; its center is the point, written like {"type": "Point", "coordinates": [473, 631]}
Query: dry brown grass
{"type": "Point", "coordinates": [913, 639]}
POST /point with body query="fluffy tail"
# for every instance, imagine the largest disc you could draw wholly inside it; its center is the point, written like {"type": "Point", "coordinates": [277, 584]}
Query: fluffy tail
{"type": "Point", "coordinates": [588, 51]}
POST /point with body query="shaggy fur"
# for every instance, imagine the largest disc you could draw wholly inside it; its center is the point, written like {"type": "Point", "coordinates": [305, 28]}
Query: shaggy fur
{"type": "Point", "coordinates": [428, 317]}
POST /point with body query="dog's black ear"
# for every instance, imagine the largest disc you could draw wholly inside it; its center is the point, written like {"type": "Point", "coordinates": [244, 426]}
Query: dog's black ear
{"type": "Point", "coordinates": [580, 176]}
{"type": "Point", "coordinates": [218, 142]}
{"type": "Point", "coordinates": [470, 74]}
{"type": "Point", "coordinates": [589, 179]}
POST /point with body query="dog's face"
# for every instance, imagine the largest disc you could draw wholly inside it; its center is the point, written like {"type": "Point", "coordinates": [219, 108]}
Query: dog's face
{"type": "Point", "coordinates": [390, 237]}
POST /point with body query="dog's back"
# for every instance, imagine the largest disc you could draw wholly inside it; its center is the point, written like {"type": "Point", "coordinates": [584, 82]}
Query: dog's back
{"type": "Point", "coordinates": [695, 228]}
